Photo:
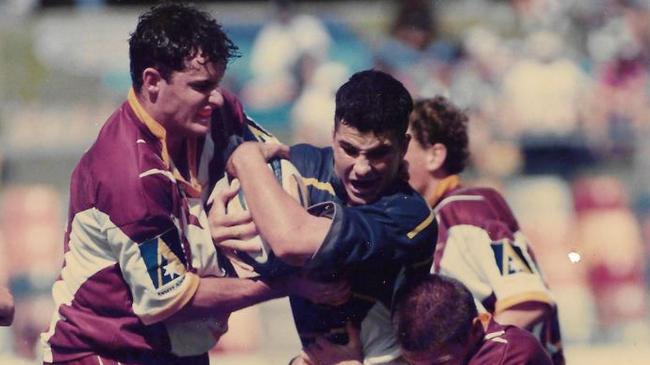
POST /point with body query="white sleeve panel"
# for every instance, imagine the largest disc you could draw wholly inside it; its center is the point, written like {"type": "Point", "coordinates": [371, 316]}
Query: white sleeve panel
{"type": "Point", "coordinates": [485, 267]}
{"type": "Point", "coordinates": [159, 283]}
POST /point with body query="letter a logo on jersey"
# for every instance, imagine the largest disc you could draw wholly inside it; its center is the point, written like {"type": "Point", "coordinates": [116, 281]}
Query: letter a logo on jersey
{"type": "Point", "coordinates": [509, 258]}
{"type": "Point", "coordinates": [163, 257]}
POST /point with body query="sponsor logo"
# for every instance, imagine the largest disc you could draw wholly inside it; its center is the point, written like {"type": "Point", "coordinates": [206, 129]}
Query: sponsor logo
{"type": "Point", "coordinates": [164, 259]}
{"type": "Point", "coordinates": [509, 258]}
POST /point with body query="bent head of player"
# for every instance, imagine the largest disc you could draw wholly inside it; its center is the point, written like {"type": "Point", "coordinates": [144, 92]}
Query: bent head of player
{"type": "Point", "coordinates": [437, 322]}
{"type": "Point", "coordinates": [370, 140]}
{"type": "Point", "coordinates": [178, 56]}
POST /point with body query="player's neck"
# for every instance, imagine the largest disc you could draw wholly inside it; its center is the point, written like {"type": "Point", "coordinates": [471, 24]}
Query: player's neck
{"type": "Point", "coordinates": [177, 148]}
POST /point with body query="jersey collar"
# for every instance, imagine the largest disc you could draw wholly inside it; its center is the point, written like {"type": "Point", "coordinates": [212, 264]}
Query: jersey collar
{"type": "Point", "coordinates": [191, 187]}
{"type": "Point", "coordinates": [444, 186]}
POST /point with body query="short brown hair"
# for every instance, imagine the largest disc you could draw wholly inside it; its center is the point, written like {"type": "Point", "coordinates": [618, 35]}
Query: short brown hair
{"type": "Point", "coordinates": [437, 120]}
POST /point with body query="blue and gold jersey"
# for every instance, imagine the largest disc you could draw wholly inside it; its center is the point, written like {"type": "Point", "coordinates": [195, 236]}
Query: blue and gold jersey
{"type": "Point", "coordinates": [374, 246]}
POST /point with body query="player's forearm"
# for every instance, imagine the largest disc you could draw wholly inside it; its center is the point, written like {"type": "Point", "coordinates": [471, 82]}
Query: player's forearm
{"type": "Point", "coordinates": [524, 315]}
{"type": "Point", "coordinates": [6, 307]}
{"type": "Point", "coordinates": [222, 296]}
{"type": "Point", "coordinates": [292, 233]}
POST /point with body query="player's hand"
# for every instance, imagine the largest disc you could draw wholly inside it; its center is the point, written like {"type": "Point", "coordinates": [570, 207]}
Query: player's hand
{"type": "Point", "coordinates": [230, 229]}
{"type": "Point", "coordinates": [271, 150]}
{"type": "Point", "coordinates": [262, 151]}
{"type": "Point", "coordinates": [331, 293]}
{"type": "Point", "coordinates": [323, 352]}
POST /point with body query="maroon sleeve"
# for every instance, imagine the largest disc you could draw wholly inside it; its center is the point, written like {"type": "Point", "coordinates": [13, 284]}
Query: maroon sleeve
{"type": "Point", "coordinates": [510, 345]}
{"type": "Point", "coordinates": [524, 348]}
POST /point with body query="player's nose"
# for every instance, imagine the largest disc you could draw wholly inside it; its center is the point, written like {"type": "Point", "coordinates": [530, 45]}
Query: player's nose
{"type": "Point", "coordinates": [216, 98]}
{"type": "Point", "coordinates": [362, 167]}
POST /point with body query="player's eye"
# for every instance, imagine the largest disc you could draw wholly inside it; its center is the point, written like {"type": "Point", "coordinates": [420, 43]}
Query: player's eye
{"type": "Point", "coordinates": [378, 153]}
{"type": "Point", "coordinates": [204, 86]}
{"type": "Point", "coordinates": [349, 150]}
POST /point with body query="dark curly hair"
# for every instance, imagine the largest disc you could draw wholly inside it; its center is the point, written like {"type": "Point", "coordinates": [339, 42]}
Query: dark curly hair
{"type": "Point", "coordinates": [374, 101]}
{"type": "Point", "coordinates": [437, 120]}
{"type": "Point", "coordinates": [433, 312]}
{"type": "Point", "coordinates": [168, 35]}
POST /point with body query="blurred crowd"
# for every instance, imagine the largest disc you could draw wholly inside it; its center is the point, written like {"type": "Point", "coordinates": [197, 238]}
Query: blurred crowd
{"type": "Point", "coordinates": [558, 93]}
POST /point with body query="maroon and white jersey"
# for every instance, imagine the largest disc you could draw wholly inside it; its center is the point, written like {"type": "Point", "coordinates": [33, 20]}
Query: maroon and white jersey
{"type": "Point", "coordinates": [481, 245]}
{"type": "Point", "coordinates": [509, 345]}
{"type": "Point", "coordinates": [137, 242]}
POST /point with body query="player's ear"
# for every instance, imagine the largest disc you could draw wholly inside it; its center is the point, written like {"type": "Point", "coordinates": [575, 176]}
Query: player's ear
{"type": "Point", "coordinates": [151, 79]}
{"type": "Point", "coordinates": [436, 156]}
{"type": "Point", "coordinates": [477, 332]}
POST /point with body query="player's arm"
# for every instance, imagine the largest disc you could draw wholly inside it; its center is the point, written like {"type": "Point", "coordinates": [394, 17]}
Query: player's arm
{"type": "Point", "coordinates": [6, 306]}
{"type": "Point", "coordinates": [293, 234]}
{"type": "Point", "coordinates": [220, 296]}
{"type": "Point", "coordinates": [522, 299]}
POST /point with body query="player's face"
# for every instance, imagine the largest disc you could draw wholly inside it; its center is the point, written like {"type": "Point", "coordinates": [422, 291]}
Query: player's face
{"type": "Point", "coordinates": [416, 157]}
{"type": "Point", "coordinates": [367, 164]}
{"type": "Point", "coordinates": [187, 99]}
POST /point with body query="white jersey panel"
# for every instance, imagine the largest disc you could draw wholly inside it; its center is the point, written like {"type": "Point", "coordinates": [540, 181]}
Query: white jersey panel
{"type": "Point", "coordinates": [378, 338]}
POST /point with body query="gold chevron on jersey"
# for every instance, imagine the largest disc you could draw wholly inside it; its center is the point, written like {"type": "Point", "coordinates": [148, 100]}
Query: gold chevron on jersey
{"type": "Point", "coordinates": [260, 133]}
{"type": "Point", "coordinates": [163, 257]}
{"type": "Point", "coordinates": [509, 258]}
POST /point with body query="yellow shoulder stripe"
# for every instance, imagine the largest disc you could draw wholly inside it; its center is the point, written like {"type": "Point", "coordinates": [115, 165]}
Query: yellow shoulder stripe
{"type": "Point", "coordinates": [261, 135]}
{"type": "Point", "coordinates": [310, 181]}
{"type": "Point", "coordinates": [425, 223]}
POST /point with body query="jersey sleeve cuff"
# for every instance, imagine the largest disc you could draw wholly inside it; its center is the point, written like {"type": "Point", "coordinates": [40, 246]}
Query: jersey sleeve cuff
{"type": "Point", "coordinates": [505, 303]}
{"type": "Point", "coordinates": [326, 255]}
{"type": "Point", "coordinates": [191, 286]}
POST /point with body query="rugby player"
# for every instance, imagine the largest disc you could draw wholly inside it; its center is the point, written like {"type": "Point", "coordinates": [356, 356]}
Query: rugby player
{"type": "Point", "coordinates": [367, 224]}
{"type": "Point", "coordinates": [142, 282]}
{"type": "Point", "coordinates": [479, 240]}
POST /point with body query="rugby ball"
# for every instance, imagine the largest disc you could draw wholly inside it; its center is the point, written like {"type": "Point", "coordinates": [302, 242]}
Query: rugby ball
{"type": "Point", "coordinates": [290, 179]}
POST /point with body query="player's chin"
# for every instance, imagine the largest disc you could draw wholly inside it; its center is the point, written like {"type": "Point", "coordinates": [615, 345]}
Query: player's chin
{"type": "Point", "coordinates": [199, 130]}
{"type": "Point", "coordinates": [358, 198]}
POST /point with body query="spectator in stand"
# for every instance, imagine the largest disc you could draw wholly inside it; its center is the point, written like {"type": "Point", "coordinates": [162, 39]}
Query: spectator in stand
{"type": "Point", "coordinates": [284, 54]}
{"type": "Point", "coordinates": [413, 52]}
{"type": "Point", "coordinates": [542, 106]}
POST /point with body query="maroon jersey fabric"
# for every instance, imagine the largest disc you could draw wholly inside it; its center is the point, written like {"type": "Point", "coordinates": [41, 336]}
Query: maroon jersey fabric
{"type": "Point", "coordinates": [509, 345]}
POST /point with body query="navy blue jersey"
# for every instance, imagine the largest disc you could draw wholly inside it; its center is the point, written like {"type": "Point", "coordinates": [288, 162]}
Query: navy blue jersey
{"type": "Point", "coordinates": [374, 246]}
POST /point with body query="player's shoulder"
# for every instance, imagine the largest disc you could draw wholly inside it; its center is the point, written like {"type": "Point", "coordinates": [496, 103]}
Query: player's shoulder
{"type": "Point", "coordinates": [509, 345]}
{"type": "Point", "coordinates": [310, 160]}
{"type": "Point", "coordinates": [122, 174]}
{"type": "Point", "coordinates": [407, 210]}
{"type": "Point", "coordinates": [476, 206]}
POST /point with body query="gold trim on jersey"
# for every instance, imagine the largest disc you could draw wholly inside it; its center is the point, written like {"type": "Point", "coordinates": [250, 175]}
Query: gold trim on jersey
{"type": "Point", "coordinates": [260, 134]}
{"type": "Point", "coordinates": [508, 302]}
{"type": "Point", "coordinates": [424, 224]}
{"type": "Point", "coordinates": [174, 306]}
{"type": "Point", "coordinates": [310, 181]}
{"type": "Point", "coordinates": [191, 187]}
{"type": "Point", "coordinates": [444, 185]}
